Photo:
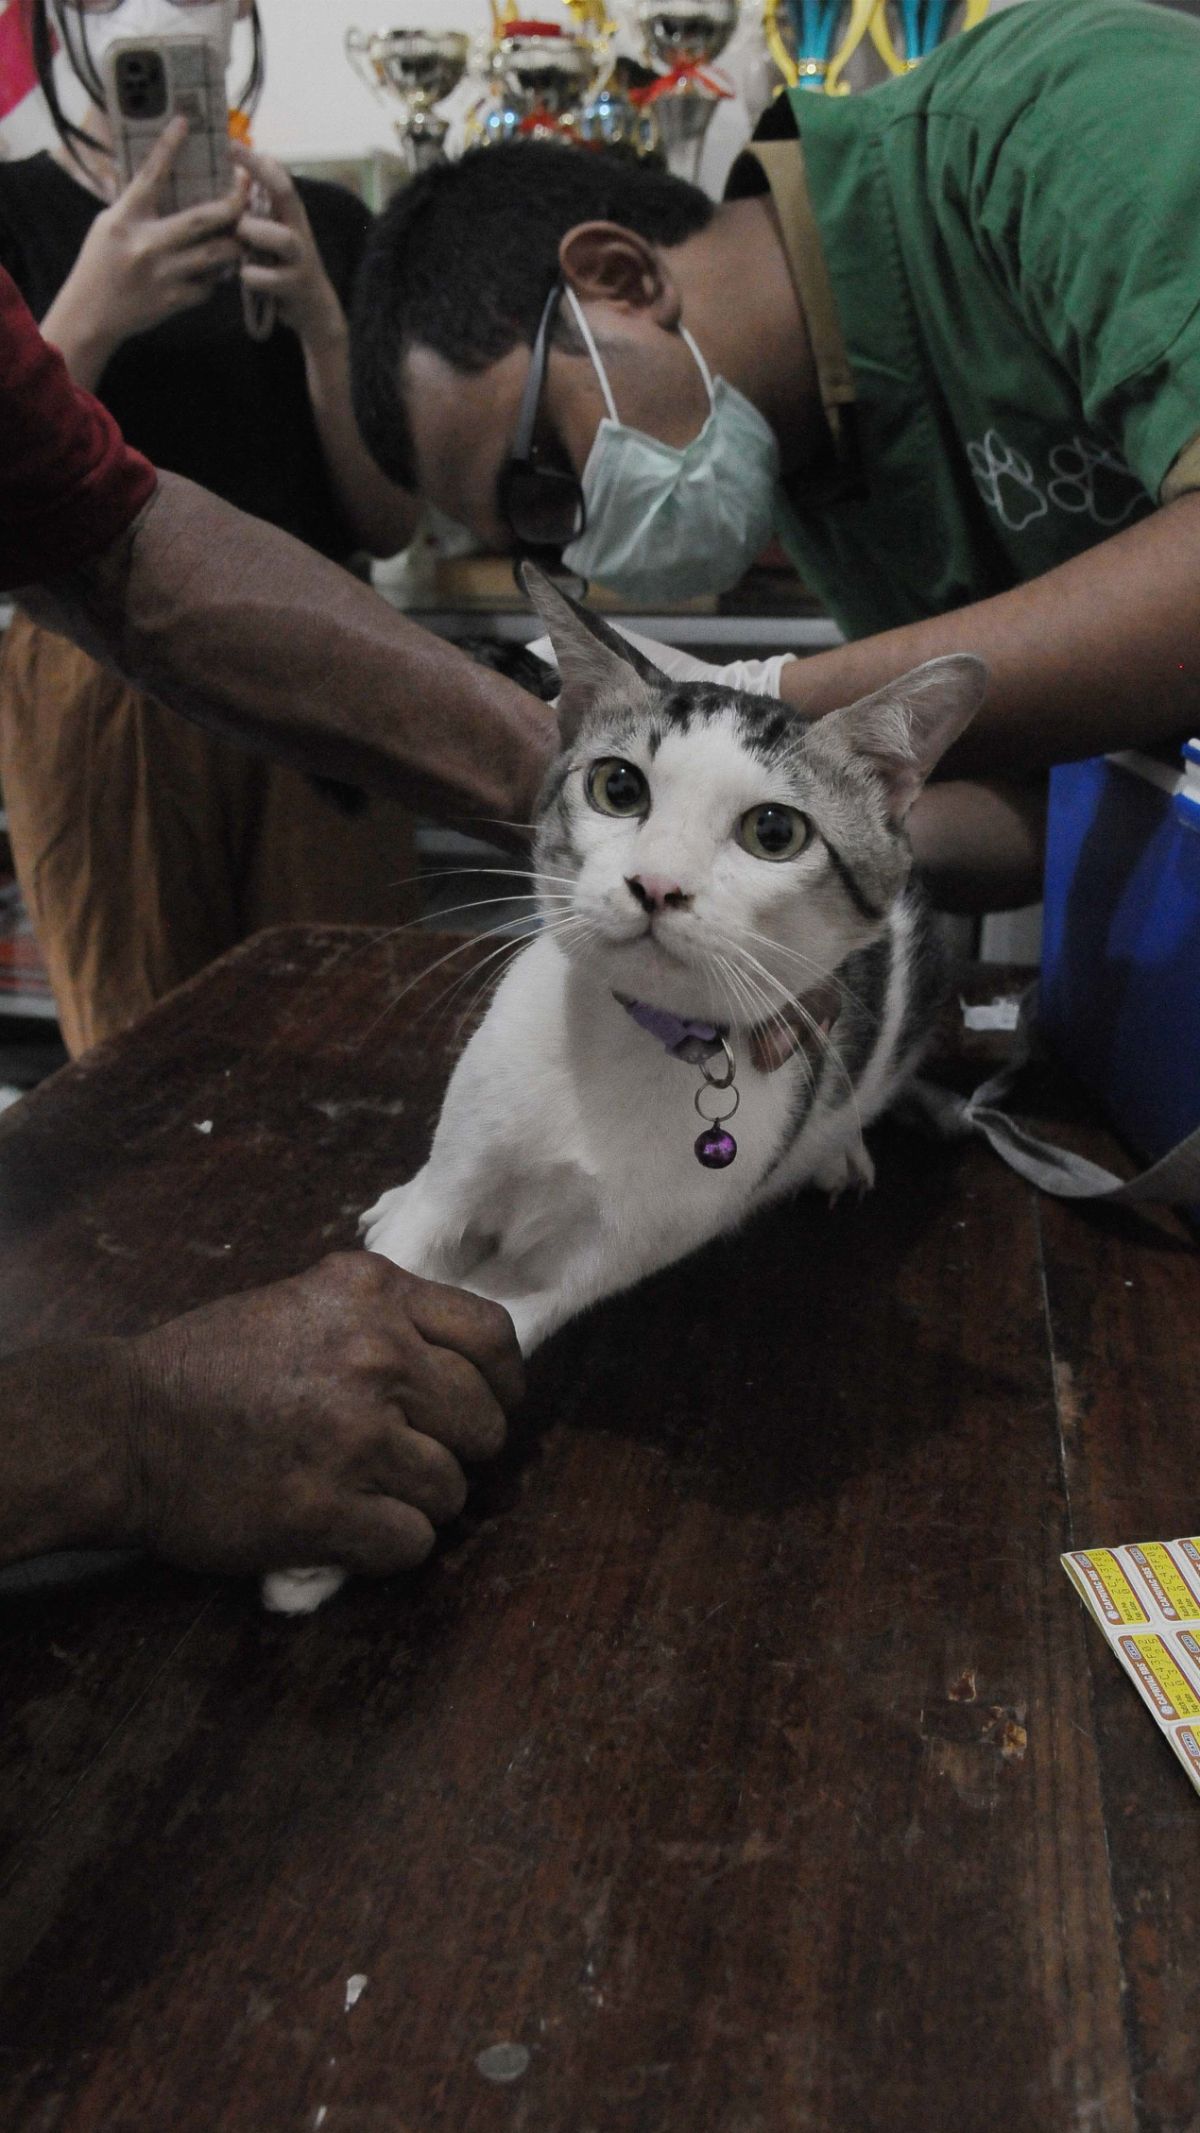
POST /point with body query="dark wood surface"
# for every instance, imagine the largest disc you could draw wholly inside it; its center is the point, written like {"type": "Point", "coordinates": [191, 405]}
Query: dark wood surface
{"type": "Point", "coordinates": [744, 1755]}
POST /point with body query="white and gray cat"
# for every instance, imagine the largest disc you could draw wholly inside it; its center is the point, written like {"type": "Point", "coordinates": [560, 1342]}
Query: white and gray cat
{"type": "Point", "coordinates": [723, 889]}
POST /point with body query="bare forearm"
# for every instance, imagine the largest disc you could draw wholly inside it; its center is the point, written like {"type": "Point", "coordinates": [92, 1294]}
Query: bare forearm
{"type": "Point", "coordinates": [1103, 652]}
{"type": "Point", "coordinates": [251, 633]}
{"type": "Point", "coordinates": [70, 325]}
{"type": "Point", "coordinates": [980, 846]}
{"type": "Point", "coordinates": [63, 1438]}
{"type": "Point", "coordinates": [381, 516]}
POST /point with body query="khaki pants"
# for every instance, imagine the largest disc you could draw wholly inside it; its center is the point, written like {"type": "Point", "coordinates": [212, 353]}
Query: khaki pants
{"type": "Point", "coordinates": [144, 846]}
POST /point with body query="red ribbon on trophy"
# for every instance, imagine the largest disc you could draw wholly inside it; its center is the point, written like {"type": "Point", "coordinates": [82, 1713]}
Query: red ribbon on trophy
{"type": "Point", "coordinates": [685, 73]}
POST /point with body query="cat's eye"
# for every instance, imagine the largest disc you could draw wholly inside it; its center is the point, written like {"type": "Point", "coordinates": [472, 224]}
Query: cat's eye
{"type": "Point", "coordinates": [773, 831]}
{"type": "Point", "coordinates": [617, 788]}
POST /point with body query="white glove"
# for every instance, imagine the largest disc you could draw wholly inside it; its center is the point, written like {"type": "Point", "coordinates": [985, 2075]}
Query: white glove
{"type": "Point", "coordinates": [757, 677]}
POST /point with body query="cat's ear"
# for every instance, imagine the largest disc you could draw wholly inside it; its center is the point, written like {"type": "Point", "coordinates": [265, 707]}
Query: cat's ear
{"type": "Point", "coordinates": [593, 660]}
{"type": "Point", "coordinates": [903, 729]}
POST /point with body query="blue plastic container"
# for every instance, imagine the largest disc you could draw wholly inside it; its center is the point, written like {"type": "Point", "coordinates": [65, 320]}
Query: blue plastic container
{"type": "Point", "coordinates": [1120, 992]}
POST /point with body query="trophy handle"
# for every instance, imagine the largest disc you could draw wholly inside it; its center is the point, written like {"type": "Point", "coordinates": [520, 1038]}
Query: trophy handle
{"type": "Point", "coordinates": [863, 17]}
{"type": "Point", "coordinates": [881, 38]}
{"type": "Point", "coordinates": [917, 49]}
{"type": "Point", "coordinates": [357, 46]}
{"type": "Point", "coordinates": [776, 45]}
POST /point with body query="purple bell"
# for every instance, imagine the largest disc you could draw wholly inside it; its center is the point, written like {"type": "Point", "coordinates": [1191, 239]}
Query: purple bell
{"type": "Point", "coordinates": [715, 1148]}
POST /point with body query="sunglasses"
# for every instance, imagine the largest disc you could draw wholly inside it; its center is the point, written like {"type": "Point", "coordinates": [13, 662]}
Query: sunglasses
{"type": "Point", "coordinates": [541, 504]}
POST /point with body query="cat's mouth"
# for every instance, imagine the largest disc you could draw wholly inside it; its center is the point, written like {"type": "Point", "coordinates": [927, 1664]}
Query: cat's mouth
{"type": "Point", "coordinates": [651, 937]}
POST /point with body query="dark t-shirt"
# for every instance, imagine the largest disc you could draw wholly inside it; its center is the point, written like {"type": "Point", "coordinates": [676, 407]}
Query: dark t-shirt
{"type": "Point", "coordinates": [69, 484]}
{"type": "Point", "coordinates": [196, 394]}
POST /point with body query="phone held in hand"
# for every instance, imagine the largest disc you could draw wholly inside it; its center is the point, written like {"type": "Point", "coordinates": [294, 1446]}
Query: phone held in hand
{"type": "Point", "coordinates": [148, 81]}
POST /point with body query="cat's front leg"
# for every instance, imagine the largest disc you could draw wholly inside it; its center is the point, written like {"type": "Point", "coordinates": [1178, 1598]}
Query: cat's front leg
{"type": "Point", "coordinates": [847, 1169]}
{"type": "Point", "coordinates": [413, 1226]}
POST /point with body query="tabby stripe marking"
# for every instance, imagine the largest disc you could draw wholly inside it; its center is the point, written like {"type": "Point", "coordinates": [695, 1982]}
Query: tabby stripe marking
{"type": "Point", "coordinates": [862, 904]}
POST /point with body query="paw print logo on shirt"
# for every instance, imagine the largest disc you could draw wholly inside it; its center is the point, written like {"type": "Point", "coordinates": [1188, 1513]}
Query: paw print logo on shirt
{"type": "Point", "coordinates": [1006, 481]}
{"type": "Point", "coordinates": [1093, 481]}
{"type": "Point", "coordinates": [1086, 479]}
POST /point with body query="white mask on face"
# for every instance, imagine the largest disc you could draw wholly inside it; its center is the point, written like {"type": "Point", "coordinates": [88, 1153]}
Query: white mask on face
{"type": "Point", "coordinates": [87, 37]}
{"type": "Point", "coordinates": [665, 521]}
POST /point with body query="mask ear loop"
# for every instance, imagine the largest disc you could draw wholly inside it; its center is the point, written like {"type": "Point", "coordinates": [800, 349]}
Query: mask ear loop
{"type": "Point", "coordinates": [590, 344]}
{"type": "Point", "coordinates": [701, 366]}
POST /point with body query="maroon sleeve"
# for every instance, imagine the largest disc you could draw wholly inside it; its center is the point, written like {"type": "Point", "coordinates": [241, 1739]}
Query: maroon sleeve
{"type": "Point", "coordinates": [69, 483]}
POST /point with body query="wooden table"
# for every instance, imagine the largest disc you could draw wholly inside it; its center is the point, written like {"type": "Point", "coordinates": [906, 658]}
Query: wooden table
{"type": "Point", "coordinates": [744, 1763]}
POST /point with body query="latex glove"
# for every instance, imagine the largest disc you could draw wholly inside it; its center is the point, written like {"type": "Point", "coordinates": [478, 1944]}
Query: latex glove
{"type": "Point", "coordinates": [756, 677]}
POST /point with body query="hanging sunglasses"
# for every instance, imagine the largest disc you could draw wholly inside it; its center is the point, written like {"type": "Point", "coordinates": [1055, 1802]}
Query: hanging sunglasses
{"type": "Point", "coordinates": [541, 504]}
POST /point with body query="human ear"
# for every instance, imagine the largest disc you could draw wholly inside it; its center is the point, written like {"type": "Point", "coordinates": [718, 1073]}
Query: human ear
{"type": "Point", "coordinates": [605, 263]}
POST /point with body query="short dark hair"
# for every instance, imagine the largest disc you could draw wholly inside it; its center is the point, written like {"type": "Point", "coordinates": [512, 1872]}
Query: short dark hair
{"type": "Point", "coordinates": [463, 259]}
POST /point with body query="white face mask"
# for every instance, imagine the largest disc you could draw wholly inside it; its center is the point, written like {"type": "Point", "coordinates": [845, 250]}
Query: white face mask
{"type": "Point", "coordinates": [86, 38]}
{"type": "Point", "coordinates": [665, 521]}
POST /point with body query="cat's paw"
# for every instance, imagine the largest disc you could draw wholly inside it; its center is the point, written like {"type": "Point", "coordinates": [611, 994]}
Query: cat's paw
{"type": "Point", "coordinates": [299, 1592]}
{"type": "Point", "coordinates": [849, 1170]}
{"type": "Point", "coordinates": [374, 1220]}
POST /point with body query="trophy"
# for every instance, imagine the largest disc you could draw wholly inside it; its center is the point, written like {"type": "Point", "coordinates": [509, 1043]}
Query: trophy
{"type": "Point", "coordinates": [614, 116]}
{"type": "Point", "coordinates": [539, 76]}
{"type": "Point", "coordinates": [802, 35]}
{"type": "Point", "coordinates": [418, 68]}
{"type": "Point", "coordinates": [922, 26]}
{"type": "Point", "coordinates": [683, 37]}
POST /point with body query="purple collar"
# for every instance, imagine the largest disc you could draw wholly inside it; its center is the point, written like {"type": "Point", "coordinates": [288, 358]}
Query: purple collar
{"type": "Point", "coordinates": [689, 1041]}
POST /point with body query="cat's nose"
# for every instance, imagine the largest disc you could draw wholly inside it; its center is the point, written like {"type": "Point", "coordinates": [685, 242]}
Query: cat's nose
{"type": "Point", "coordinates": [657, 892]}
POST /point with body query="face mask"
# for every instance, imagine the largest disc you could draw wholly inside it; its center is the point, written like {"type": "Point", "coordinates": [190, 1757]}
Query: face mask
{"type": "Point", "coordinates": [86, 38]}
{"type": "Point", "coordinates": [664, 521]}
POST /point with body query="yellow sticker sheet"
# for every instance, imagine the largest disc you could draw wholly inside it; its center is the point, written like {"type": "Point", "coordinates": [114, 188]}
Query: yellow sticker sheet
{"type": "Point", "coordinates": [1146, 1599]}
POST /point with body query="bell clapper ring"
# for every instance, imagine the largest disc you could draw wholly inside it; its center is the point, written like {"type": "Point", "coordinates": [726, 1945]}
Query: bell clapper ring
{"type": "Point", "coordinates": [716, 1148]}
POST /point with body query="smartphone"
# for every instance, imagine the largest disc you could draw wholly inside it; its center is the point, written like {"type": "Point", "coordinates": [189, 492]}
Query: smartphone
{"type": "Point", "coordinates": [148, 81]}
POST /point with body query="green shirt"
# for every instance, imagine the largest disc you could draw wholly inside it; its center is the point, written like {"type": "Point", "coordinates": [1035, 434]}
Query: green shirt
{"type": "Point", "coordinates": [1012, 236]}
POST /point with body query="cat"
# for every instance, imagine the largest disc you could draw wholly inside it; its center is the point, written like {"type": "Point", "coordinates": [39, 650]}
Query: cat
{"type": "Point", "coordinates": [724, 890]}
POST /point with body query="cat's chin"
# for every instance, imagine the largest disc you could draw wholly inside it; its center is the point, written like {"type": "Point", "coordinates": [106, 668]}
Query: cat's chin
{"type": "Point", "coordinates": [643, 969]}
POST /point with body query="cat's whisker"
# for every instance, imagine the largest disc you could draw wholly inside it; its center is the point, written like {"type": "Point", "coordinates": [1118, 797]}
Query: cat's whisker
{"type": "Point", "coordinates": [469, 940]}
{"type": "Point", "coordinates": [814, 969]}
{"type": "Point", "coordinates": [820, 1036]}
{"type": "Point", "coordinates": [482, 976]}
{"type": "Point", "coordinates": [780, 1017]}
{"type": "Point", "coordinates": [761, 998]}
{"type": "Point", "coordinates": [484, 903]}
{"type": "Point", "coordinates": [473, 986]}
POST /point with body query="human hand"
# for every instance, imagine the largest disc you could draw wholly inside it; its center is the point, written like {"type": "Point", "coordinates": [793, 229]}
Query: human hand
{"type": "Point", "coordinates": [319, 1421]}
{"type": "Point", "coordinates": [137, 267]}
{"type": "Point", "coordinates": [285, 264]}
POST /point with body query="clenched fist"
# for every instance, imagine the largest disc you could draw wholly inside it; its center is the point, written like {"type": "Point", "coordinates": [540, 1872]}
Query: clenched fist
{"type": "Point", "coordinates": [324, 1420]}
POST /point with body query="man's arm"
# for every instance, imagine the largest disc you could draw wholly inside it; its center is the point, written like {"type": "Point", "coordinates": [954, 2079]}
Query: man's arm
{"type": "Point", "coordinates": [1103, 652]}
{"type": "Point", "coordinates": [322, 1420]}
{"type": "Point", "coordinates": [253, 634]}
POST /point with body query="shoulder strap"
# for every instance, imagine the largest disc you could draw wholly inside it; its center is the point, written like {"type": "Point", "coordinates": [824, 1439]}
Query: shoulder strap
{"type": "Point", "coordinates": [1174, 1178]}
